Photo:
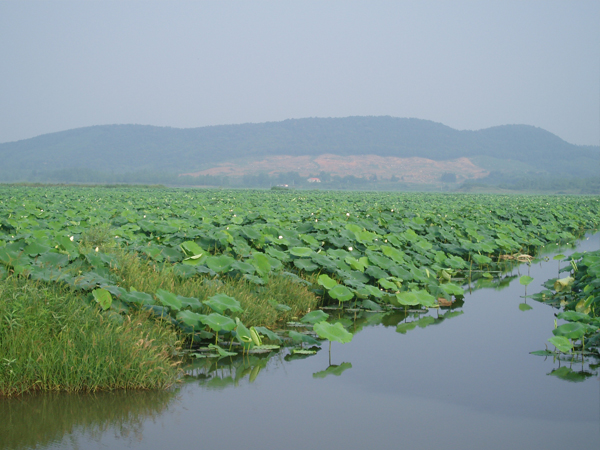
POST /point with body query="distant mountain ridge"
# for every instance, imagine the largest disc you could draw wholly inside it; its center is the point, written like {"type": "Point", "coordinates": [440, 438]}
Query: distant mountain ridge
{"type": "Point", "coordinates": [134, 148]}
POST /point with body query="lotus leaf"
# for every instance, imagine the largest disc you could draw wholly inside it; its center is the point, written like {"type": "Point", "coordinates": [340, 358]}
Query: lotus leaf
{"type": "Point", "coordinates": [103, 297]}
{"type": "Point", "coordinates": [169, 299]}
{"type": "Point", "coordinates": [221, 303]}
{"type": "Point", "coordinates": [333, 332]}
{"type": "Point", "coordinates": [314, 317]}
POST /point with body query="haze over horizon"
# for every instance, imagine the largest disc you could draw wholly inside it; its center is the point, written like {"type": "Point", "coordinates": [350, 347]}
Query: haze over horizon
{"type": "Point", "coordinates": [467, 65]}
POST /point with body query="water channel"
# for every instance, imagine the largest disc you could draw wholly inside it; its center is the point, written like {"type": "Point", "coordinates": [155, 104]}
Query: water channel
{"type": "Point", "coordinates": [466, 382]}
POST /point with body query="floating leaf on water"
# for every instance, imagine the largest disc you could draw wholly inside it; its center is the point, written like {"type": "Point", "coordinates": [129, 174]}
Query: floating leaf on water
{"type": "Point", "coordinates": [299, 351]}
{"type": "Point", "coordinates": [543, 353]}
{"type": "Point", "coordinates": [524, 307]}
{"type": "Point", "coordinates": [222, 352]}
{"type": "Point", "coordinates": [263, 348]}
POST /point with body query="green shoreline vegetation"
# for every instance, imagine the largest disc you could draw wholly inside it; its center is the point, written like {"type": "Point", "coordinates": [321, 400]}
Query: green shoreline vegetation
{"type": "Point", "coordinates": [83, 269]}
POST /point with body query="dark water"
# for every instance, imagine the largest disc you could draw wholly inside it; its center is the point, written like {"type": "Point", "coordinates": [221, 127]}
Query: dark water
{"type": "Point", "coordinates": [467, 382]}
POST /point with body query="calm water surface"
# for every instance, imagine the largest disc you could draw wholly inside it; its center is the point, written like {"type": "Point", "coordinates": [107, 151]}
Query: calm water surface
{"type": "Point", "coordinates": [467, 382]}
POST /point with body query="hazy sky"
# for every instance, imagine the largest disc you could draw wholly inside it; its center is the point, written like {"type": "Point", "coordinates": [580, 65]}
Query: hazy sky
{"type": "Point", "coordinates": [467, 64]}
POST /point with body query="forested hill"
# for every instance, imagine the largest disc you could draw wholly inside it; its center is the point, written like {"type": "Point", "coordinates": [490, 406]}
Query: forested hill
{"type": "Point", "coordinates": [133, 148]}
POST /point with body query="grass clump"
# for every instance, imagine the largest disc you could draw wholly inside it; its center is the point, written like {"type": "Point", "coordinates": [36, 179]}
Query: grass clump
{"type": "Point", "coordinates": [51, 340]}
{"type": "Point", "coordinates": [259, 302]}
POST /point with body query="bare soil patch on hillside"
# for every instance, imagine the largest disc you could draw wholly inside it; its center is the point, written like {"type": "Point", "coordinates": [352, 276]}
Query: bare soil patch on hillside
{"type": "Point", "coordinates": [410, 170]}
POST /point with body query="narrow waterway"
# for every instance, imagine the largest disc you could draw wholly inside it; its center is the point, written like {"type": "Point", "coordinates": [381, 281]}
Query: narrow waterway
{"type": "Point", "coordinates": [466, 382]}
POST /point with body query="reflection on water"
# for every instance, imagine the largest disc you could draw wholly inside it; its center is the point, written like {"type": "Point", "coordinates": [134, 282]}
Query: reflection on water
{"type": "Point", "coordinates": [43, 420]}
{"type": "Point", "coordinates": [467, 367]}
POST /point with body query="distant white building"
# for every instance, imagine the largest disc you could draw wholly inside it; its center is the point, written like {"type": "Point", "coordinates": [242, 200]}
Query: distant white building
{"type": "Point", "coordinates": [314, 180]}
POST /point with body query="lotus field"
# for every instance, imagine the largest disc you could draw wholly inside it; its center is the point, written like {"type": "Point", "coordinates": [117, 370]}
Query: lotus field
{"type": "Point", "coordinates": [280, 249]}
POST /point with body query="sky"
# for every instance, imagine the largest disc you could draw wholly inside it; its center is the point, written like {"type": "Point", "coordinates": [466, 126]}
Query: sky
{"type": "Point", "coordinates": [466, 64]}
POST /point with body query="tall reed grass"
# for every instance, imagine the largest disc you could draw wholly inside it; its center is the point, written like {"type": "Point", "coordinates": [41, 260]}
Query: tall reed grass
{"type": "Point", "coordinates": [52, 340]}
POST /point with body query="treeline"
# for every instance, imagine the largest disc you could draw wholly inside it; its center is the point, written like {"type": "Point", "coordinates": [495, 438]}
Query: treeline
{"type": "Point", "coordinates": [127, 149]}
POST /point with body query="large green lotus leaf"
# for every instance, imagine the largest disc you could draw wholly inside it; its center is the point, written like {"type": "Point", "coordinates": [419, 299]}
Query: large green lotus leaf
{"type": "Point", "coordinates": [189, 302]}
{"type": "Point", "coordinates": [221, 303]}
{"type": "Point", "coordinates": [184, 271]}
{"type": "Point", "coordinates": [168, 299]}
{"type": "Point", "coordinates": [333, 332]}
{"type": "Point", "coordinates": [561, 343]}
{"type": "Point", "coordinates": [191, 319]}
{"type": "Point", "coordinates": [525, 280]}
{"type": "Point", "coordinates": [251, 233]}
{"type": "Point", "coordinates": [376, 272]}
{"type": "Point", "coordinates": [401, 272]}
{"type": "Point", "coordinates": [301, 337]}
{"type": "Point", "coordinates": [407, 298]}
{"type": "Point", "coordinates": [368, 290]}
{"type": "Point", "coordinates": [314, 317]}
{"type": "Point", "coordinates": [305, 264]}
{"type": "Point", "coordinates": [524, 307]}
{"type": "Point", "coordinates": [341, 293]}
{"type": "Point", "coordinates": [357, 264]}
{"type": "Point", "coordinates": [103, 297]}
{"type": "Point", "coordinates": [301, 251]}
{"type": "Point", "coordinates": [261, 263]}
{"type": "Point", "coordinates": [403, 328]}
{"type": "Point", "coordinates": [254, 279]}
{"type": "Point", "coordinates": [370, 305]}
{"type": "Point", "coordinates": [324, 261]}
{"type": "Point", "coordinates": [139, 298]}
{"type": "Point", "coordinates": [217, 322]}
{"type": "Point", "coordinates": [337, 253]}
{"type": "Point", "coordinates": [220, 263]}
{"type": "Point", "coordinates": [325, 281]}
{"type": "Point", "coordinates": [571, 330]}
{"type": "Point", "coordinates": [387, 284]}
{"type": "Point", "coordinates": [53, 258]}
{"type": "Point", "coordinates": [481, 259]}
{"type": "Point", "coordinates": [36, 248]}
{"type": "Point", "coordinates": [393, 253]}
{"type": "Point", "coordinates": [333, 370]}
{"type": "Point", "coordinates": [172, 254]}
{"type": "Point", "coordinates": [243, 267]}
{"type": "Point", "coordinates": [573, 316]}
{"type": "Point", "coordinates": [423, 246]}
{"type": "Point", "coordinates": [278, 254]}
{"type": "Point", "coordinates": [452, 289]}
{"type": "Point", "coordinates": [379, 260]}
